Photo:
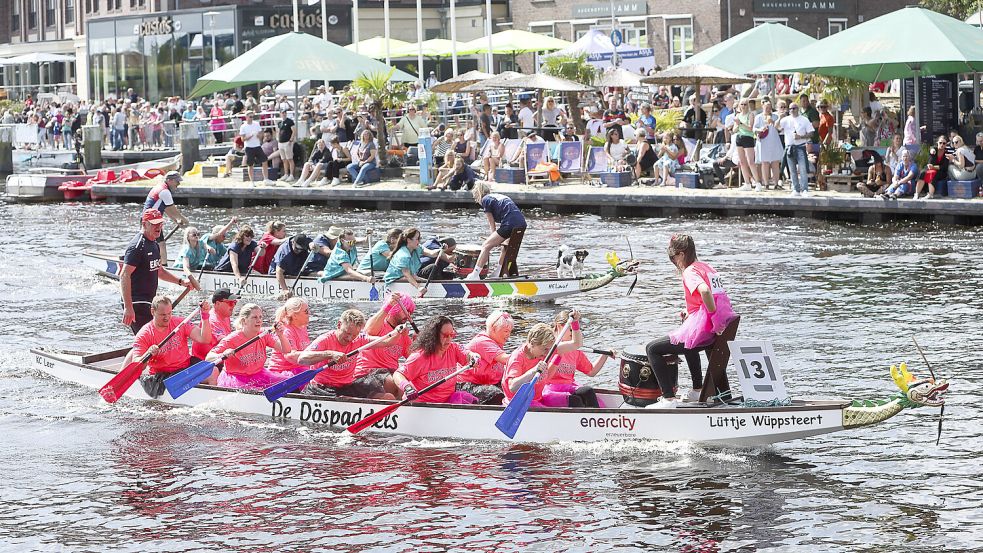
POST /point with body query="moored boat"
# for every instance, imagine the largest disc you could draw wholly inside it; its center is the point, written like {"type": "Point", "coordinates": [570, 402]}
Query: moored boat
{"type": "Point", "coordinates": [731, 423]}
{"type": "Point", "coordinates": [524, 288]}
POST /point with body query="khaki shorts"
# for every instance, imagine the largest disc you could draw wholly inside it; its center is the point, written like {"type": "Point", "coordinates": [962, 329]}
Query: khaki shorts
{"type": "Point", "coordinates": [286, 150]}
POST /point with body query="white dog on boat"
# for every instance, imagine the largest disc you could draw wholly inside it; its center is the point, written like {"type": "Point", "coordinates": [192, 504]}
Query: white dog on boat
{"type": "Point", "coordinates": [570, 262]}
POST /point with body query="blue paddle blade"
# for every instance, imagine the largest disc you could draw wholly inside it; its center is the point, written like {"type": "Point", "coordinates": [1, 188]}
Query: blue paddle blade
{"type": "Point", "coordinates": [513, 414]}
{"type": "Point", "coordinates": [284, 387]}
{"type": "Point", "coordinates": [178, 384]}
{"type": "Point", "coordinates": [374, 293]}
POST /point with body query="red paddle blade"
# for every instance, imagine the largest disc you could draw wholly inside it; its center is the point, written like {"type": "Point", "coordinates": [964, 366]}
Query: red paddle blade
{"type": "Point", "coordinates": [119, 384]}
{"type": "Point", "coordinates": [373, 418]}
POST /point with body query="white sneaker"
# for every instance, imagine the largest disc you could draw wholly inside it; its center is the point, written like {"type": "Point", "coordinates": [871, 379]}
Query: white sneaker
{"type": "Point", "coordinates": [323, 181]}
{"type": "Point", "coordinates": [693, 395]}
{"type": "Point", "coordinates": [288, 178]}
{"type": "Point", "coordinates": [794, 194]}
{"type": "Point", "coordinates": [806, 194]}
{"type": "Point", "coordinates": [475, 274]}
{"type": "Point", "coordinates": [335, 181]}
{"type": "Point", "coordinates": [268, 182]}
{"type": "Point", "coordinates": [664, 403]}
{"type": "Point", "coordinates": [744, 187]}
{"type": "Point", "coordinates": [757, 187]}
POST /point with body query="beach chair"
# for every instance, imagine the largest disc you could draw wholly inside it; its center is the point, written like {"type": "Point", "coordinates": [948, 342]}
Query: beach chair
{"type": "Point", "coordinates": [570, 158]}
{"type": "Point", "coordinates": [596, 163]}
{"type": "Point", "coordinates": [534, 154]}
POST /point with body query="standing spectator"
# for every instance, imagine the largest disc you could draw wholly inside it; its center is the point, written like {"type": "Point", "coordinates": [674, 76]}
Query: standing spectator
{"type": "Point", "coordinates": [614, 117]}
{"type": "Point", "coordinates": [527, 117]}
{"type": "Point", "coordinates": [695, 118]}
{"type": "Point", "coordinates": [912, 132]}
{"type": "Point", "coordinates": [286, 135]}
{"type": "Point", "coordinates": [118, 133]}
{"type": "Point", "coordinates": [508, 127]}
{"type": "Point", "coordinates": [768, 148]}
{"type": "Point", "coordinates": [827, 124]}
{"type": "Point", "coordinates": [485, 128]}
{"type": "Point", "coordinates": [744, 129]}
{"type": "Point", "coordinates": [797, 130]}
{"type": "Point", "coordinates": [646, 121]}
{"type": "Point", "coordinates": [553, 118]}
{"type": "Point", "coordinates": [810, 113]}
{"type": "Point", "coordinates": [432, 80]}
{"type": "Point", "coordinates": [217, 122]}
{"type": "Point", "coordinates": [251, 134]}
{"type": "Point", "coordinates": [409, 126]}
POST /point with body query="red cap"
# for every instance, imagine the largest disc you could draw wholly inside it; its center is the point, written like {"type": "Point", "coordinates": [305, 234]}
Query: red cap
{"type": "Point", "coordinates": [152, 216]}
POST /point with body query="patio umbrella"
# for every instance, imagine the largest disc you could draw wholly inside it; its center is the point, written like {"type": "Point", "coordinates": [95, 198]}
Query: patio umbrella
{"type": "Point", "coordinates": [38, 57]}
{"type": "Point", "coordinates": [742, 53]}
{"type": "Point", "coordinates": [292, 56]}
{"type": "Point", "coordinates": [375, 47]}
{"type": "Point", "coordinates": [514, 41]}
{"type": "Point", "coordinates": [494, 83]}
{"type": "Point", "coordinates": [537, 81]}
{"type": "Point", "coordinates": [455, 84]}
{"type": "Point", "coordinates": [908, 42]}
{"type": "Point", "coordinates": [619, 77]}
{"type": "Point", "coordinates": [435, 48]}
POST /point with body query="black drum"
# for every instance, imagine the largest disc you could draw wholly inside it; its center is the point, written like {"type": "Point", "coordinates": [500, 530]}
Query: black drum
{"type": "Point", "coordinates": [637, 381]}
{"type": "Point", "coordinates": [467, 257]}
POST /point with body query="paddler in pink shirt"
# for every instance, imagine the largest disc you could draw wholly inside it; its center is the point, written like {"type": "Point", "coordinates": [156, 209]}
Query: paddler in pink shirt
{"type": "Point", "coordinates": [434, 356]}
{"type": "Point", "coordinates": [529, 358]}
{"type": "Point", "coordinates": [381, 363]}
{"type": "Point", "coordinates": [563, 380]}
{"type": "Point", "coordinates": [339, 379]}
{"type": "Point", "coordinates": [220, 317]}
{"type": "Point", "coordinates": [293, 316]}
{"type": "Point", "coordinates": [484, 381]}
{"type": "Point", "coordinates": [173, 356]}
{"type": "Point", "coordinates": [245, 369]}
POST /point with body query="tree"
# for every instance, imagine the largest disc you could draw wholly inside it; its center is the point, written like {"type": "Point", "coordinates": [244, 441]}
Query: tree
{"type": "Point", "coordinates": [960, 9]}
{"type": "Point", "coordinates": [572, 68]}
{"type": "Point", "coordinates": [379, 94]}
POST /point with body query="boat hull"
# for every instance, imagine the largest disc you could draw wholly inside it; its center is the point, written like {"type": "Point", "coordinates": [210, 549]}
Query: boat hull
{"type": "Point", "coordinates": [721, 425]}
{"type": "Point", "coordinates": [531, 289]}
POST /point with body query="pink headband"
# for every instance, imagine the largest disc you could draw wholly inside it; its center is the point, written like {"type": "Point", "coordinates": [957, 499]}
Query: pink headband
{"type": "Point", "coordinates": [408, 304]}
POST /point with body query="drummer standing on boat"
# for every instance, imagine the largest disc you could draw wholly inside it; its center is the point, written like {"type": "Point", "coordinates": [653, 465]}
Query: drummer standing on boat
{"type": "Point", "coordinates": [142, 270]}
{"type": "Point", "coordinates": [499, 209]}
{"type": "Point", "coordinates": [161, 198]}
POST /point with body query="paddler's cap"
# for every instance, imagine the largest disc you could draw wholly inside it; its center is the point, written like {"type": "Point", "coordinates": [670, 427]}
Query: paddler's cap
{"type": "Point", "coordinates": [153, 217]}
{"type": "Point", "coordinates": [334, 232]}
{"type": "Point", "coordinates": [302, 241]}
{"type": "Point", "coordinates": [408, 304]}
{"type": "Point", "coordinates": [447, 241]}
{"type": "Point", "coordinates": [223, 294]}
{"type": "Point", "coordinates": [173, 175]}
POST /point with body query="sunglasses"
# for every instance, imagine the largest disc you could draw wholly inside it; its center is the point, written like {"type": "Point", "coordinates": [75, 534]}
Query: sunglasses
{"type": "Point", "coordinates": [450, 334]}
{"type": "Point", "coordinates": [349, 242]}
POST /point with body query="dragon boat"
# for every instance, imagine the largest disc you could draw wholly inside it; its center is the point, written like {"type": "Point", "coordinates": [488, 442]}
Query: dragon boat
{"type": "Point", "coordinates": [730, 423]}
{"type": "Point", "coordinates": [311, 288]}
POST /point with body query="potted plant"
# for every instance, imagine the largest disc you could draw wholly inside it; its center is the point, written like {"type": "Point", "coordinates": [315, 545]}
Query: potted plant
{"type": "Point", "coordinates": [831, 157]}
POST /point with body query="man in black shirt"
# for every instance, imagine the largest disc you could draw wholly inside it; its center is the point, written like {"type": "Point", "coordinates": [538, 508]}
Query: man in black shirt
{"type": "Point", "coordinates": [695, 118]}
{"type": "Point", "coordinates": [484, 124]}
{"type": "Point", "coordinates": [285, 143]}
{"type": "Point", "coordinates": [141, 270]}
{"type": "Point", "coordinates": [614, 117]}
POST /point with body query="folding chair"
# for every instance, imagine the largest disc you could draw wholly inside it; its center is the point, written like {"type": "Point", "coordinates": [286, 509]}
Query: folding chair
{"type": "Point", "coordinates": [534, 154]}
{"type": "Point", "coordinates": [597, 163]}
{"type": "Point", "coordinates": [570, 158]}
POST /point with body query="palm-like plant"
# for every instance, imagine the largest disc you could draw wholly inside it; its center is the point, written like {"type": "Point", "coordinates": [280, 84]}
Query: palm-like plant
{"type": "Point", "coordinates": [572, 68]}
{"type": "Point", "coordinates": [379, 93]}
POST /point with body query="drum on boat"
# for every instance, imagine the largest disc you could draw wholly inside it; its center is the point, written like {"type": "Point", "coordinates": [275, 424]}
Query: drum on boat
{"type": "Point", "coordinates": [467, 257]}
{"type": "Point", "coordinates": [637, 381]}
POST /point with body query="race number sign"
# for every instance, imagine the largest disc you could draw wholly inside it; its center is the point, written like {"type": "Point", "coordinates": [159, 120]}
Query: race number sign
{"type": "Point", "coordinates": [758, 371]}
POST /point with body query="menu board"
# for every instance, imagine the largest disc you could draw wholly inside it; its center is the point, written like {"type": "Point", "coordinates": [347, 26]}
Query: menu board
{"type": "Point", "coordinates": [938, 104]}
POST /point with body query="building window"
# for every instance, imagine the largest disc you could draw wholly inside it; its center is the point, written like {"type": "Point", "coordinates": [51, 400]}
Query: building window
{"type": "Point", "coordinates": [32, 14]}
{"type": "Point", "coordinates": [49, 12]}
{"type": "Point", "coordinates": [69, 11]}
{"type": "Point", "coordinates": [547, 29]}
{"type": "Point", "coordinates": [637, 36]}
{"type": "Point", "coordinates": [763, 20]}
{"type": "Point", "coordinates": [680, 43]}
{"type": "Point", "coordinates": [836, 25]}
{"type": "Point", "coordinates": [15, 17]}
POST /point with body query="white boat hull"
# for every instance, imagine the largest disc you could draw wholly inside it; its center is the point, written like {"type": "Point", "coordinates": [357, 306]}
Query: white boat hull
{"type": "Point", "coordinates": [532, 289]}
{"type": "Point", "coordinates": [722, 425]}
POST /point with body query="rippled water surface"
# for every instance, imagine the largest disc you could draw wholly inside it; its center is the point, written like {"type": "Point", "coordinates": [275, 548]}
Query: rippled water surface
{"type": "Point", "coordinates": [840, 303]}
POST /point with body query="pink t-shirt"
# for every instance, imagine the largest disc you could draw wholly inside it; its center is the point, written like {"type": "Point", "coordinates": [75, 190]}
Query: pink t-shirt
{"type": "Point", "coordinates": [517, 365]}
{"type": "Point", "coordinates": [173, 356]}
{"type": "Point", "coordinates": [220, 329]}
{"type": "Point", "coordinates": [383, 358]}
{"type": "Point", "coordinates": [693, 276]}
{"type": "Point", "coordinates": [488, 370]}
{"type": "Point", "coordinates": [299, 340]}
{"type": "Point", "coordinates": [343, 373]}
{"type": "Point", "coordinates": [570, 362]}
{"type": "Point", "coordinates": [250, 360]}
{"type": "Point", "coordinates": [423, 370]}
{"type": "Point", "coordinates": [263, 263]}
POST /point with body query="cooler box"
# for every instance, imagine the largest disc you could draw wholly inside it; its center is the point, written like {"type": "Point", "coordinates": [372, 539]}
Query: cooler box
{"type": "Point", "coordinates": [209, 171]}
{"type": "Point", "coordinates": [510, 175]}
{"type": "Point", "coordinates": [617, 179]}
{"type": "Point", "coordinates": [963, 189]}
{"type": "Point", "coordinates": [687, 180]}
{"type": "Point", "coordinates": [373, 175]}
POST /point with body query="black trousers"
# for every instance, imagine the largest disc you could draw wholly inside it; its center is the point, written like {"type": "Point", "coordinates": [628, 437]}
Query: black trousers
{"type": "Point", "coordinates": [666, 375]}
{"type": "Point", "coordinates": [332, 169]}
{"type": "Point", "coordinates": [143, 316]}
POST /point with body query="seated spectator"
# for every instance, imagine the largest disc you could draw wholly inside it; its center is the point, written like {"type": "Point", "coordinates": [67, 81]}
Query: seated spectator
{"type": "Point", "coordinates": [463, 147]}
{"type": "Point", "coordinates": [695, 119]}
{"type": "Point", "coordinates": [443, 143]}
{"type": "Point", "coordinates": [445, 171]}
{"type": "Point", "coordinates": [234, 156]}
{"type": "Point", "coordinates": [876, 181]}
{"type": "Point", "coordinates": [644, 154]}
{"type": "Point", "coordinates": [569, 134]}
{"type": "Point", "coordinates": [312, 168]}
{"type": "Point", "coordinates": [962, 163]}
{"type": "Point", "coordinates": [270, 148]}
{"type": "Point", "coordinates": [492, 158]}
{"type": "Point", "coordinates": [936, 169]}
{"type": "Point", "coordinates": [616, 150]}
{"type": "Point", "coordinates": [462, 176]}
{"type": "Point", "coordinates": [646, 122]}
{"type": "Point", "coordinates": [668, 162]}
{"type": "Point", "coordinates": [903, 181]}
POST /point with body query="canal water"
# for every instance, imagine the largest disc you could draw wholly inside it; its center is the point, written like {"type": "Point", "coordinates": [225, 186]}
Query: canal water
{"type": "Point", "coordinates": [839, 302]}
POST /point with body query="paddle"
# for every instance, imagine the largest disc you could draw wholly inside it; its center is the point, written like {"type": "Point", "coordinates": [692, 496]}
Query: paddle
{"type": "Point", "coordinates": [510, 419]}
{"type": "Point", "coordinates": [374, 292]}
{"type": "Point", "coordinates": [169, 234]}
{"type": "Point", "coordinates": [248, 273]}
{"type": "Point", "coordinates": [186, 290]}
{"type": "Point", "coordinates": [632, 254]}
{"type": "Point", "coordinates": [938, 438]}
{"type": "Point", "coordinates": [409, 318]}
{"type": "Point", "coordinates": [297, 381]}
{"type": "Point", "coordinates": [289, 293]}
{"type": "Point", "coordinates": [608, 352]}
{"type": "Point", "coordinates": [179, 383]}
{"type": "Point", "coordinates": [384, 412]}
{"type": "Point", "coordinates": [433, 269]}
{"type": "Point", "coordinates": [119, 384]}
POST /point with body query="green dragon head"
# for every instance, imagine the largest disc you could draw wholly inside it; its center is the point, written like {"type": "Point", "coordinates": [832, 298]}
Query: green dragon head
{"type": "Point", "coordinates": [621, 268]}
{"type": "Point", "coordinates": [926, 392]}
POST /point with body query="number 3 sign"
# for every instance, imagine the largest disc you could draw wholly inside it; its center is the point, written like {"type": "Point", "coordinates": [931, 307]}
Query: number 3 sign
{"type": "Point", "coordinates": [758, 371]}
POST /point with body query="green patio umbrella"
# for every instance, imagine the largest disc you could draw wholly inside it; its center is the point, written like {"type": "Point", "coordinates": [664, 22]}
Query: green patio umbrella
{"type": "Point", "coordinates": [433, 48]}
{"type": "Point", "coordinates": [292, 56]}
{"type": "Point", "coordinates": [741, 54]}
{"type": "Point", "coordinates": [375, 47]}
{"type": "Point", "coordinates": [908, 42]}
{"type": "Point", "coordinates": [514, 41]}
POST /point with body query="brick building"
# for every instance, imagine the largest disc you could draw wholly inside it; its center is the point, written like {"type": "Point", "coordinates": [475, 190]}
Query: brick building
{"type": "Point", "coordinates": [676, 30]}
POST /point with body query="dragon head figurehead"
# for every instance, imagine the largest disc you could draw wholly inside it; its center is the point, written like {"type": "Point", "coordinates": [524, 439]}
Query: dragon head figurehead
{"type": "Point", "coordinates": [621, 268]}
{"type": "Point", "coordinates": [927, 392]}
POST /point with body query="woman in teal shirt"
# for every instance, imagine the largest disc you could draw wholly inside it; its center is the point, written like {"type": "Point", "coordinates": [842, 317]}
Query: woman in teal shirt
{"type": "Point", "coordinates": [194, 251]}
{"type": "Point", "coordinates": [405, 263]}
{"type": "Point", "coordinates": [343, 259]}
{"type": "Point", "coordinates": [380, 253]}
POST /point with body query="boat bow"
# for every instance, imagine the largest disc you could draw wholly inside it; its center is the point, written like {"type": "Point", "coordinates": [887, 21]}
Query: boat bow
{"type": "Point", "coordinates": [913, 393]}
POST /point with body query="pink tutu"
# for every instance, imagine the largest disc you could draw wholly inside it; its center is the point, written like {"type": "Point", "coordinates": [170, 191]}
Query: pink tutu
{"type": "Point", "coordinates": [262, 379]}
{"type": "Point", "coordinates": [701, 328]}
